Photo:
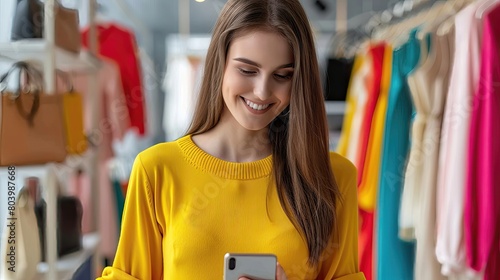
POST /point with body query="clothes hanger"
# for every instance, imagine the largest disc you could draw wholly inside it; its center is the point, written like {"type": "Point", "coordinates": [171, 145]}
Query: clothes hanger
{"type": "Point", "coordinates": [446, 26]}
{"type": "Point", "coordinates": [424, 14]}
{"type": "Point", "coordinates": [445, 11]}
{"type": "Point", "coordinates": [101, 17]}
{"type": "Point", "coordinates": [485, 7]}
{"type": "Point", "coordinates": [346, 44]}
{"type": "Point", "coordinates": [401, 14]}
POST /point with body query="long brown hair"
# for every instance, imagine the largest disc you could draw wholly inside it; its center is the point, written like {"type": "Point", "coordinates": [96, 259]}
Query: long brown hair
{"type": "Point", "coordinates": [299, 136]}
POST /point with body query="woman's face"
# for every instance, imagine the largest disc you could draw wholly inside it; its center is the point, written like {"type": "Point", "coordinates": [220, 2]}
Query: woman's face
{"type": "Point", "coordinates": [258, 78]}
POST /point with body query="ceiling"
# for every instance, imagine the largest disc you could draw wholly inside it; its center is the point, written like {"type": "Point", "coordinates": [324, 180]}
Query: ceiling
{"type": "Point", "coordinates": [163, 15]}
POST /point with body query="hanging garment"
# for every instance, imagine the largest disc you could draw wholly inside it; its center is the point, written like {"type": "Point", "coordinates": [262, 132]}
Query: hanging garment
{"type": "Point", "coordinates": [450, 246]}
{"type": "Point", "coordinates": [413, 171]}
{"type": "Point", "coordinates": [369, 182]}
{"type": "Point", "coordinates": [181, 85]}
{"type": "Point", "coordinates": [361, 85]}
{"type": "Point", "coordinates": [338, 75]}
{"type": "Point", "coordinates": [356, 103]}
{"type": "Point", "coordinates": [365, 243]}
{"type": "Point", "coordinates": [113, 123]}
{"type": "Point", "coordinates": [376, 52]}
{"type": "Point", "coordinates": [366, 217]}
{"type": "Point", "coordinates": [431, 83]}
{"type": "Point", "coordinates": [118, 44]}
{"type": "Point", "coordinates": [151, 96]}
{"type": "Point", "coordinates": [368, 186]}
{"type": "Point", "coordinates": [396, 262]}
{"type": "Point", "coordinates": [482, 195]}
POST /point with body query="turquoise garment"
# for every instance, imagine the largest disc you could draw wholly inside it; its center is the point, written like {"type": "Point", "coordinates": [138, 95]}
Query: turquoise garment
{"type": "Point", "coordinates": [395, 258]}
{"type": "Point", "coordinates": [120, 201]}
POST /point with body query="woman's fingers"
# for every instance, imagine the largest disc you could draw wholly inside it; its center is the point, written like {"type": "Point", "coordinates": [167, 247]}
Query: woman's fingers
{"type": "Point", "coordinates": [280, 273]}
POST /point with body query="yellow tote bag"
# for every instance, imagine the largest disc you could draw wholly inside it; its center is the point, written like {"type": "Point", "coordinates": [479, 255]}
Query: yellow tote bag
{"type": "Point", "coordinates": [76, 141]}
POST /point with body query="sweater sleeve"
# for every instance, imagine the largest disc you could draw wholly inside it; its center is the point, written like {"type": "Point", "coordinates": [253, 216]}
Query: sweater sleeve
{"type": "Point", "coordinates": [340, 259]}
{"type": "Point", "coordinates": [139, 253]}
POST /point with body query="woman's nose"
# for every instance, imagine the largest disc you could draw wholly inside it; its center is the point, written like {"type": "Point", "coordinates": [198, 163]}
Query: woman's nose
{"type": "Point", "coordinates": [262, 88]}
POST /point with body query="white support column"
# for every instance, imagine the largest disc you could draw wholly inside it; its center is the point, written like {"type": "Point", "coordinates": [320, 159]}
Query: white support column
{"type": "Point", "coordinates": [341, 16]}
{"type": "Point", "coordinates": [51, 182]}
{"type": "Point", "coordinates": [96, 115]}
{"type": "Point", "coordinates": [184, 17]}
{"type": "Point", "coordinates": [51, 223]}
{"type": "Point", "coordinates": [50, 56]}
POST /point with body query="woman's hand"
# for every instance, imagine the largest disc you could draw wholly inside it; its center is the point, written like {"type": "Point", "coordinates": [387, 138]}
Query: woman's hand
{"type": "Point", "coordinates": [280, 274]}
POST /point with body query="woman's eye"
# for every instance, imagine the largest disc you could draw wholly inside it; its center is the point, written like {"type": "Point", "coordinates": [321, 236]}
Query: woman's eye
{"type": "Point", "coordinates": [246, 72]}
{"type": "Point", "coordinates": [283, 77]}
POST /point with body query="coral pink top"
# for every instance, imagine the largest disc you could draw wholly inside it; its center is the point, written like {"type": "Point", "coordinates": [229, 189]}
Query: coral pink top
{"type": "Point", "coordinates": [482, 204]}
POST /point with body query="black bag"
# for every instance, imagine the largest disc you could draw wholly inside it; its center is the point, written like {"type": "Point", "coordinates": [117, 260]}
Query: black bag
{"type": "Point", "coordinates": [69, 225]}
{"type": "Point", "coordinates": [28, 20]}
{"type": "Point", "coordinates": [29, 23]}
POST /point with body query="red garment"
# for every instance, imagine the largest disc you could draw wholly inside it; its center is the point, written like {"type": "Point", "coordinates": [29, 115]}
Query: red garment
{"type": "Point", "coordinates": [124, 186]}
{"type": "Point", "coordinates": [482, 207]}
{"type": "Point", "coordinates": [377, 54]}
{"type": "Point", "coordinates": [365, 243]}
{"type": "Point", "coordinates": [366, 228]}
{"type": "Point", "coordinates": [119, 45]}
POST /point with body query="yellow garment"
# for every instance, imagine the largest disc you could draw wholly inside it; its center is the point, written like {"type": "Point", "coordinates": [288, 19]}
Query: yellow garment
{"type": "Point", "coordinates": [369, 182]}
{"type": "Point", "coordinates": [185, 209]}
{"type": "Point", "coordinates": [351, 103]}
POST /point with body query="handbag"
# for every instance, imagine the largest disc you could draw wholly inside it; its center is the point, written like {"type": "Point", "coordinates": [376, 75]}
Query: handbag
{"type": "Point", "coordinates": [69, 220]}
{"type": "Point", "coordinates": [76, 139]}
{"type": "Point", "coordinates": [31, 122]}
{"type": "Point", "coordinates": [69, 225]}
{"type": "Point", "coordinates": [28, 23]}
{"type": "Point", "coordinates": [20, 259]}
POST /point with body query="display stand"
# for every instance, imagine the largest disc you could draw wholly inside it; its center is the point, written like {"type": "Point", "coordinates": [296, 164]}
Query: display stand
{"type": "Point", "coordinates": [45, 51]}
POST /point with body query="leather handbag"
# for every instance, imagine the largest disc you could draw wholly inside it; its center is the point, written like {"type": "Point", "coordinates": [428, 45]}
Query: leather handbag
{"type": "Point", "coordinates": [31, 122]}
{"type": "Point", "coordinates": [69, 220]}
{"type": "Point", "coordinates": [69, 224]}
{"type": "Point", "coordinates": [20, 259]}
{"type": "Point", "coordinates": [28, 23]}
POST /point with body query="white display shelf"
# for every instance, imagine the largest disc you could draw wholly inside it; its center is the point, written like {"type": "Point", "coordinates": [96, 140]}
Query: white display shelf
{"type": "Point", "coordinates": [67, 265]}
{"type": "Point", "coordinates": [335, 107]}
{"type": "Point", "coordinates": [36, 49]}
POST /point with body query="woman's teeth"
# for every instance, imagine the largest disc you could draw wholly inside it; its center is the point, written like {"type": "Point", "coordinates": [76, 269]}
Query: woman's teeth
{"type": "Point", "coordinates": [255, 106]}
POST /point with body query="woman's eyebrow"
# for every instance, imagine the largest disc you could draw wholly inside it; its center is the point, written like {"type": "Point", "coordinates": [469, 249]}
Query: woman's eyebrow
{"type": "Point", "coordinates": [250, 62]}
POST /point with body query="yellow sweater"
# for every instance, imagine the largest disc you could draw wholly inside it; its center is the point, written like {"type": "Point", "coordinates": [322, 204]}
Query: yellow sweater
{"type": "Point", "coordinates": [185, 209]}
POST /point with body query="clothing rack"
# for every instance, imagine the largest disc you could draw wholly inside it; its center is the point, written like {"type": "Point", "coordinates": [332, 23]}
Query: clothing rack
{"type": "Point", "coordinates": [45, 51]}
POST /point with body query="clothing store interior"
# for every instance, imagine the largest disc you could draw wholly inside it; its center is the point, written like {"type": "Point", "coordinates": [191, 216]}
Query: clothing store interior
{"type": "Point", "coordinates": [410, 88]}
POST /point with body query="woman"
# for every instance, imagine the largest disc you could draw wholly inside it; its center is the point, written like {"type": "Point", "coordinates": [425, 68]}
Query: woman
{"type": "Point", "coordinates": [253, 174]}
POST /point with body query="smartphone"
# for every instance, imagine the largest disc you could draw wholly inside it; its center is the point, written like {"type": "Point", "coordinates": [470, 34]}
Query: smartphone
{"type": "Point", "coordinates": [253, 266]}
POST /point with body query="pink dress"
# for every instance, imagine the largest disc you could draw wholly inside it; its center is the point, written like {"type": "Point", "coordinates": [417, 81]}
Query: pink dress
{"type": "Point", "coordinates": [450, 245]}
{"type": "Point", "coordinates": [113, 123]}
{"type": "Point", "coordinates": [482, 204]}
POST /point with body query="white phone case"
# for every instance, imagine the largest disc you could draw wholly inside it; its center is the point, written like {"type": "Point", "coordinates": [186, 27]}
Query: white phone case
{"type": "Point", "coordinates": [254, 266]}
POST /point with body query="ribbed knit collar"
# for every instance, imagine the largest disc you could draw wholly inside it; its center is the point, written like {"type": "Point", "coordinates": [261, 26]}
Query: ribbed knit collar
{"type": "Point", "coordinates": [222, 168]}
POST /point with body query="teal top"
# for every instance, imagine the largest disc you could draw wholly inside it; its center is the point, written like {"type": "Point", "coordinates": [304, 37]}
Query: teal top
{"type": "Point", "coordinates": [394, 257]}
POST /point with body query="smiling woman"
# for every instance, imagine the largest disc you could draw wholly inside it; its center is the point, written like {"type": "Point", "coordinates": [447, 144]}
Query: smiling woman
{"type": "Point", "coordinates": [253, 174]}
{"type": "Point", "coordinates": [257, 80]}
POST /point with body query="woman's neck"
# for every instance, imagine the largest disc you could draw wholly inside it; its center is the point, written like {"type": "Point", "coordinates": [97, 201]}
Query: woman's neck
{"type": "Point", "coordinates": [230, 141]}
